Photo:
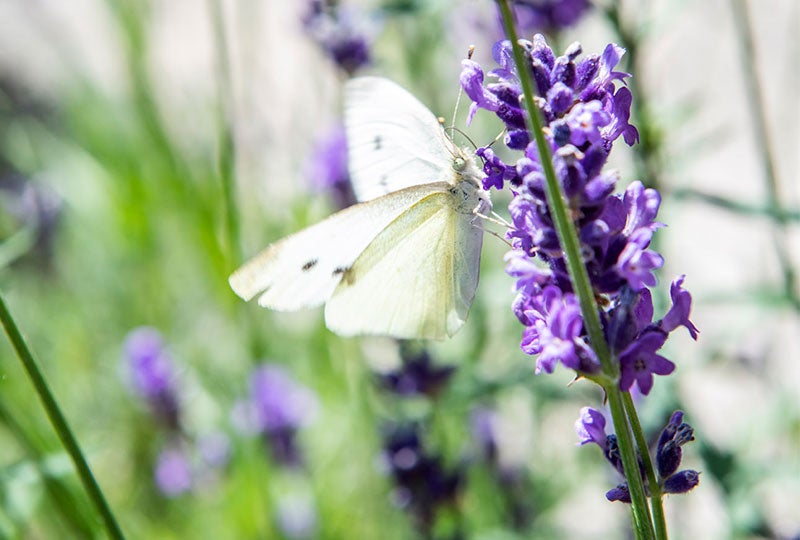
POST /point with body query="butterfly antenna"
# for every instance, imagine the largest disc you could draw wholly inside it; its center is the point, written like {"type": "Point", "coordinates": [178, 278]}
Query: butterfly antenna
{"type": "Point", "coordinates": [497, 138]}
{"type": "Point", "coordinates": [496, 219]}
{"type": "Point", "coordinates": [491, 143]}
{"type": "Point", "coordinates": [493, 233]}
{"type": "Point", "coordinates": [502, 238]}
{"type": "Point", "coordinates": [501, 220]}
{"type": "Point", "coordinates": [470, 52]}
{"type": "Point", "coordinates": [456, 130]}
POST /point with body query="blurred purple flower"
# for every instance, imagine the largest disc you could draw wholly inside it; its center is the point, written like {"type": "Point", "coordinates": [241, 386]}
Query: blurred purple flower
{"type": "Point", "coordinates": [548, 16]}
{"type": "Point", "coordinates": [278, 401]}
{"type": "Point", "coordinates": [417, 376]}
{"type": "Point", "coordinates": [152, 373]}
{"type": "Point", "coordinates": [276, 408]}
{"type": "Point", "coordinates": [483, 422]}
{"type": "Point", "coordinates": [422, 482]}
{"type": "Point", "coordinates": [34, 206]}
{"type": "Point", "coordinates": [343, 33]}
{"type": "Point", "coordinates": [173, 472]}
{"type": "Point", "coordinates": [326, 168]}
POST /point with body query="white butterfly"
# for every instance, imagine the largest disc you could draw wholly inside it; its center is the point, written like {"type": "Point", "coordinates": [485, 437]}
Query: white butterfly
{"type": "Point", "coordinates": [403, 262]}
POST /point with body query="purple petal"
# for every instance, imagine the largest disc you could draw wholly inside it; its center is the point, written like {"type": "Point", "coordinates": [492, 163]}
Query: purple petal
{"type": "Point", "coordinates": [678, 314]}
{"type": "Point", "coordinates": [591, 427]}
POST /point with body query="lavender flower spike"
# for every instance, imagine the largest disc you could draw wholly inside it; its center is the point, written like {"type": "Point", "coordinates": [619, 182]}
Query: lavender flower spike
{"type": "Point", "coordinates": [152, 374]}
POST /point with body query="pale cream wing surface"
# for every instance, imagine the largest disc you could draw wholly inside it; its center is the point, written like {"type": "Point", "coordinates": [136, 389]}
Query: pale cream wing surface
{"type": "Point", "coordinates": [417, 278]}
{"type": "Point", "coordinates": [303, 269]}
{"type": "Point", "coordinates": [393, 140]}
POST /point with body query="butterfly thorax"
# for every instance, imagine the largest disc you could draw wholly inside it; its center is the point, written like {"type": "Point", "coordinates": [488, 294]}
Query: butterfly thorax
{"type": "Point", "coordinates": [467, 191]}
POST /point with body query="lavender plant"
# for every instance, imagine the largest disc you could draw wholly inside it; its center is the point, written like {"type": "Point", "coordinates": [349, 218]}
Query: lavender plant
{"type": "Point", "coordinates": [549, 16]}
{"type": "Point", "coordinates": [275, 409]}
{"type": "Point", "coordinates": [343, 33]}
{"type": "Point", "coordinates": [183, 459]}
{"type": "Point", "coordinates": [580, 253]}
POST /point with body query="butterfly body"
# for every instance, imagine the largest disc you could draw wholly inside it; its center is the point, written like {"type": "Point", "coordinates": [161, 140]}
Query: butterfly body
{"type": "Point", "coordinates": [403, 262]}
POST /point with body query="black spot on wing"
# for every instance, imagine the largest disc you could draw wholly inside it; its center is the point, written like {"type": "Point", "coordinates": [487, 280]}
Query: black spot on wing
{"type": "Point", "coordinates": [378, 142]}
{"type": "Point", "coordinates": [309, 265]}
{"type": "Point", "coordinates": [346, 273]}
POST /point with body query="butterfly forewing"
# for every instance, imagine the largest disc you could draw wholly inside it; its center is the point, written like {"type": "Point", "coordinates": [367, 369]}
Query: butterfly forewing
{"type": "Point", "coordinates": [303, 269]}
{"type": "Point", "coordinates": [393, 140]}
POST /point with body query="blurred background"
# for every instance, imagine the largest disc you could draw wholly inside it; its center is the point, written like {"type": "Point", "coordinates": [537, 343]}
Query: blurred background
{"type": "Point", "coordinates": [147, 148]}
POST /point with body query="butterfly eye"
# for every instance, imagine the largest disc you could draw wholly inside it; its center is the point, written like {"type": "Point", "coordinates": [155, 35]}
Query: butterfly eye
{"type": "Point", "coordinates": [459, 164]}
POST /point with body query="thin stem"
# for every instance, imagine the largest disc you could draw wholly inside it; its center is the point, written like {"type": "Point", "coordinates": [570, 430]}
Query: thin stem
{"type": "Point", "coordinates": [74, 512]}
{"type": "Point", "coordinates": [656, 501]}
{"type": "Point", "coordinates": [226, 155]}
{"type": "Point", "coordinates": [782, 215]}
{"type": "Point", "coordinates": [568, 238]}
{"type": "Point", "coordinates": [630, 464]}
{"type": "Point", "coordinates": [762, 141]}
{"type": "Point", "coordinates": [59, 423]}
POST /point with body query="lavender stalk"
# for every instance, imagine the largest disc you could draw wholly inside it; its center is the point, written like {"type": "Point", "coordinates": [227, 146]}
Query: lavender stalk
{"type": "Point", "coordinates": [589, 307]}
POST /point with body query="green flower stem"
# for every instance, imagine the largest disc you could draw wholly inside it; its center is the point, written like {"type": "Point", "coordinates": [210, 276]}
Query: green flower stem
{"type": "Point", "coordinates": [568, 237]}
{"type": "Point", "coordinates": [59, 423]}
{"type": "Point", "coordinates": [643, 525]}
{"type": "Point", "coordinates": [656, 499]}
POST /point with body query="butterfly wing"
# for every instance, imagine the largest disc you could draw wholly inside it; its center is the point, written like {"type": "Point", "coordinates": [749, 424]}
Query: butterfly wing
{"type": "Point", "coordinates": [417, 278]}
{"type": "Point", "coordinates": [393, 140]}
{"type": "Point", "coordinates": [303, 269]}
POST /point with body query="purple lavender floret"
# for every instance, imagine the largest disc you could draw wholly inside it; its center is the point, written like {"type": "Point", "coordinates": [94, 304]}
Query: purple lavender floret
{"type": "Point", "coordinates": [586, 108]}
{"type": "Point", "coordinates": [669, 452]}
{"type": "Point", "coordinates": [590, 428]}
{"type": "Point", "coordinates": [619, 494]}
{"type": "Point", "coordinates": [682, 482]}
